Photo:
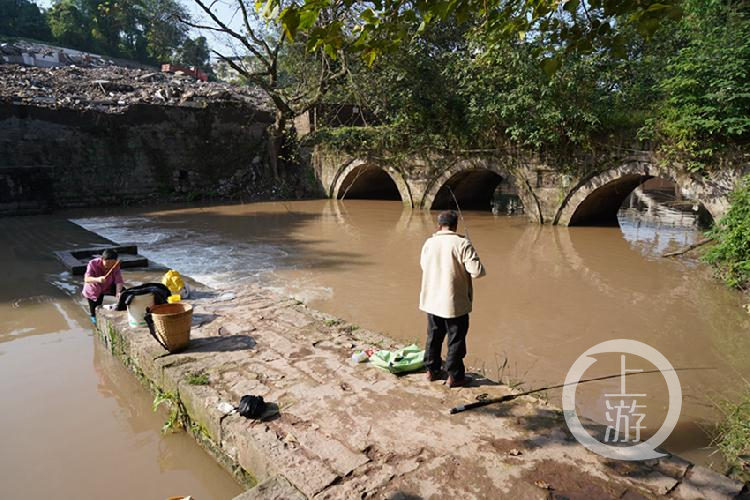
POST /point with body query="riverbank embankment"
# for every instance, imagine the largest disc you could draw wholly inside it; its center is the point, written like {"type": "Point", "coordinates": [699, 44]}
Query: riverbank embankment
{"type": "Point", "coordinates": [75, 137]}
{"type": "Point", "coordinates": [350, 430]}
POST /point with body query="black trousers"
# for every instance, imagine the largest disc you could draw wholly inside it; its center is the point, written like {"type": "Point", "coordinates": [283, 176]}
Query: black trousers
{"type": "Point", "coordinates": [93, 304]}
{"type": "Point", "coordinates": [456, 330]}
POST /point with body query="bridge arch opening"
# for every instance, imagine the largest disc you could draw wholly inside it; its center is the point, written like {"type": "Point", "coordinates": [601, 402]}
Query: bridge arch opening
{"type": "Point", "coordinates": [474, 189]}
{"type": "Point", "coordinates": [368, 182]}
{"type": "Point", "coordinates": [641, 198]}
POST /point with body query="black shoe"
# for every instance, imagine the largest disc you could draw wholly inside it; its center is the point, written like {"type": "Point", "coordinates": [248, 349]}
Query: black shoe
{"type": "Point", "coordinates": [462, 382]}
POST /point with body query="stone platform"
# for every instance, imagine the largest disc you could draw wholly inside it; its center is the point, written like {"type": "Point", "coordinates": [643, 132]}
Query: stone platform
{"type": "Point", "coordinates": [349, 430]}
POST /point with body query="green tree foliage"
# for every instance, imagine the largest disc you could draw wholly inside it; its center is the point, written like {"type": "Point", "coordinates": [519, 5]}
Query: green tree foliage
{"type": "Point", "coordinates": [453, 87]}
{"type": "Point", "coordinates": [731, 253]}
{"type": "Point", "coordinates": [412, 91]}
{"type": "Point", "coordinates": [22, 18]}
{"type": "Point", "coordinates": [149, 31]}
{"type": "Point", "coordinates": [69, 25]}
{"type": "Point", "coordinates": [162, 31]}
{"type": "Point", "coordinates": [107, 24]}
{"type": "Point", "coordinates": [378, 26]}
{"type": "Point", "coordinates": [146, 30]}
{"type": "Point", "coordinates": [195, 52]}
{"type": "Point", "coordinates": [707, 84]}
{"type": "Point", "coordinates": [684, 83]}
{"type": "Point", "coordinates": [511, 97]}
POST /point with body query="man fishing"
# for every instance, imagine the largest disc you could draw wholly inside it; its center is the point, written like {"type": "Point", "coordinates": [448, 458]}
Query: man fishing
{"type": "Point", "coordinates": [449, 262]}
{"type": "Point", "coordinates": [103, 277]}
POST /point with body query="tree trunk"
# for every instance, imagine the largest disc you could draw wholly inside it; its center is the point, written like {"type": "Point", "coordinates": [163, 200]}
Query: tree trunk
{"type": "Point", "coordinates": [276, 143]}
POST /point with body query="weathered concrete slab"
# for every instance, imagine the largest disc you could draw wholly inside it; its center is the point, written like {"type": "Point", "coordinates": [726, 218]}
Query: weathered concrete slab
{"type": "Point", "coordinates": [700, 482]}
{"type": "Point", "coordinates": [77, 259]}
{"type": "Point", "coordinates": [349, 430]}
{"type": "Point", "coordinates": [276, 488]}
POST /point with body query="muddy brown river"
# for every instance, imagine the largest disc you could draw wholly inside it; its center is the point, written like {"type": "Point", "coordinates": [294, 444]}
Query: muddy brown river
{"type": "Point", "coordinates": [549, 295]}
{"type": "Point", "coordinates": [75, 423]}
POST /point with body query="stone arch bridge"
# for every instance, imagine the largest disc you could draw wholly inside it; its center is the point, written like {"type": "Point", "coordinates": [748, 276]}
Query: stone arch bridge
{"type": "Point", "coordinates": [508, 183]}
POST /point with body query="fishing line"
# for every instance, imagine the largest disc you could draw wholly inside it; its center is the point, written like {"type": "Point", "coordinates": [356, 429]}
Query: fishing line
{"type": "Point", "coordinates": [361, 170]}
{"type": "Point", "coordinates": [460, 214]}
{"type": "Point", "coordinates": [510, 397]}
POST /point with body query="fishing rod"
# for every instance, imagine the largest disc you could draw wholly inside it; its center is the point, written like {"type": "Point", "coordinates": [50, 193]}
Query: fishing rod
{"type": "Point", "coordinates": [360, 171]}
{"type": "Point", "coordinates": [511, 397]}
{"type": "Point", "coordinates": [111, 269]}
{"type": "Point", "coordinates": [460, 214]}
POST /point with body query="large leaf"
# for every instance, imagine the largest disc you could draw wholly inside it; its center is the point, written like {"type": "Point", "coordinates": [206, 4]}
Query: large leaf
{"type": "Point", "coordinates": [550, 65]}
{"type": "Point", "coordinates": [290, 20]}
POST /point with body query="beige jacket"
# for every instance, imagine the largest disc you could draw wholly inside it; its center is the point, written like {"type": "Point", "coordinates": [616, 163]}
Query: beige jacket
{"type": "Point", "coordinates": [449, 262]}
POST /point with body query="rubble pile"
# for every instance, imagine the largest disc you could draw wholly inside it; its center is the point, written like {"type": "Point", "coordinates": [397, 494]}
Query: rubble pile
{"type": "Point", "coordinates": [44, 55]}
{"type": "Point", "coordinates": [113, 89]}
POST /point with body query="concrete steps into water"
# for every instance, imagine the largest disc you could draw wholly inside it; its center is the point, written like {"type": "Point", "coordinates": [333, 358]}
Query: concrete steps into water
{"type": "Point", "coordinates": [76, 260]}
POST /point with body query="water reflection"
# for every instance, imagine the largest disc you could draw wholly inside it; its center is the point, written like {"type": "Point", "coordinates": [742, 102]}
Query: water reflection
{"type": "Point", "coordinates": [656, 219]}
{"type": "Point", "coordinates": [654, 240]}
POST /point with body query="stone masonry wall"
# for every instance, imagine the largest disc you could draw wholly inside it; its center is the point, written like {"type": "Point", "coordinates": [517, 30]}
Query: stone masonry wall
{"type": "Point", "coordinates": [55, 158]}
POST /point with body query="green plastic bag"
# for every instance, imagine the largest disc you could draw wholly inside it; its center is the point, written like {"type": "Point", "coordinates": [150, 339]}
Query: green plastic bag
{"type": "Point", "coordinates": [408, 359]}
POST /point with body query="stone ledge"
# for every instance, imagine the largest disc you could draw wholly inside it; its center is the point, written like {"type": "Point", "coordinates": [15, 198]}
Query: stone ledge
{"type": "Point", "coordinates": [348, 430]}
{"type": "Point", "coordinates": [276, 488]}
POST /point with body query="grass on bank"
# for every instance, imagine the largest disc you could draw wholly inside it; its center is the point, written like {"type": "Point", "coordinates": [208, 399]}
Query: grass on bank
{"type": "Point", "coordinates": [730, 255]}
{"type": "Point", "coordinates": [200, 378]}
{"type": "Point", "coordinates": [733, 436]}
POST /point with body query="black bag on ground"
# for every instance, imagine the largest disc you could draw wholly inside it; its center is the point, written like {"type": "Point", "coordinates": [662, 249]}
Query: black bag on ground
{"type": "Point", "coordinates": [252, 406]}
{"type": "Point", "coordinates": [161, 293]}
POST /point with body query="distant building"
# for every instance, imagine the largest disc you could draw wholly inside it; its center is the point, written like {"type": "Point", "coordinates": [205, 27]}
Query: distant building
{"type": "Point", "coordinates": [196, 73]}
{"type": "Point", "coordinates": [225, 72]}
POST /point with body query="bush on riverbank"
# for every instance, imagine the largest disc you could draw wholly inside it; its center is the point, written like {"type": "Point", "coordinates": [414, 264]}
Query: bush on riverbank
{"type": "Point", "coordinates": [375, 139]}
{"type": "Point", "coordinates": [733, 437]}
{"type": "Point", "coordinates": [731, 253]}
{"type": "Point", "coordinates": [705, 86]}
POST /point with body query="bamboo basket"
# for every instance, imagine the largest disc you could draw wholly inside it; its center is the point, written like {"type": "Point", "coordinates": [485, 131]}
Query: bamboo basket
{"type": "Point", "coordinates": [172, 324]}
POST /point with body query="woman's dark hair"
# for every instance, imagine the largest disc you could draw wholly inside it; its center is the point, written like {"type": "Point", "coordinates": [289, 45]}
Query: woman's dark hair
{"type": "Point", "coordinates": [109, 254]}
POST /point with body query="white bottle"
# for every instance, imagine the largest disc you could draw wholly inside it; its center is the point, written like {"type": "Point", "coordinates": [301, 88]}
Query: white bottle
{"type": "Point", "coordinates": [360, 357]}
